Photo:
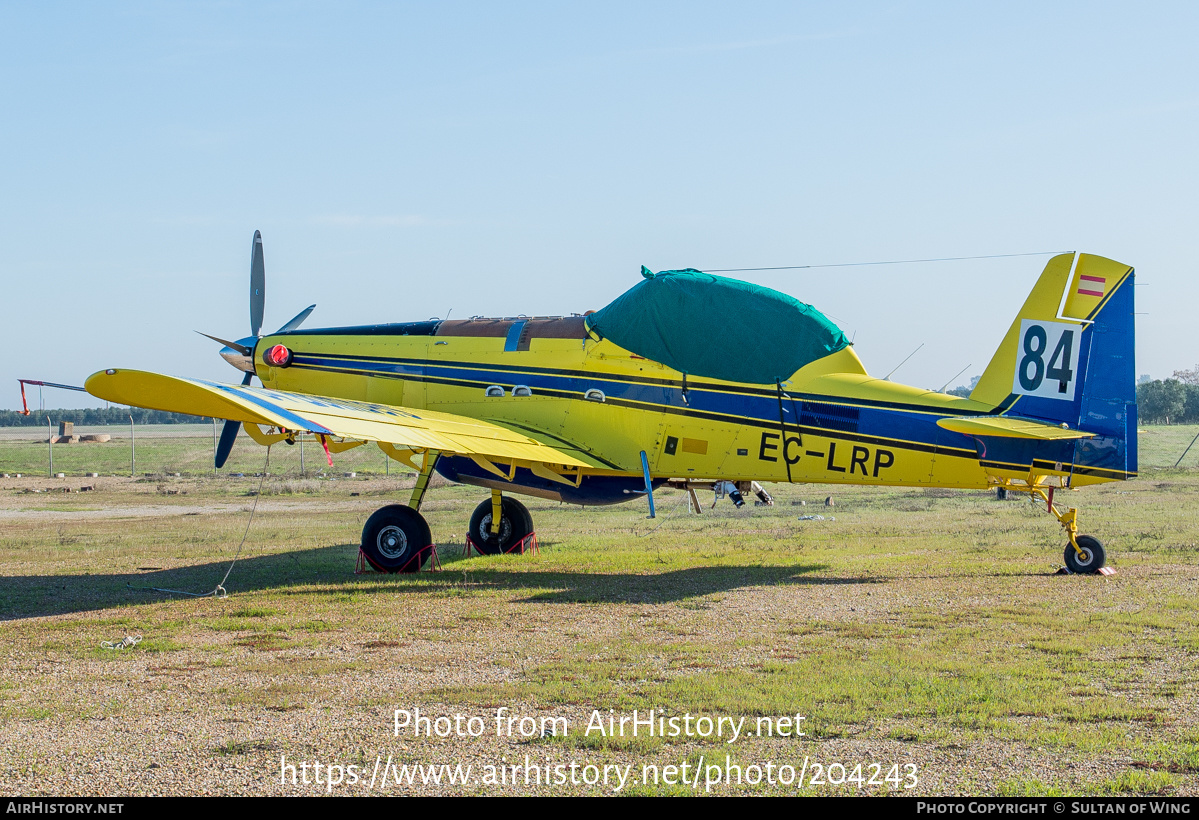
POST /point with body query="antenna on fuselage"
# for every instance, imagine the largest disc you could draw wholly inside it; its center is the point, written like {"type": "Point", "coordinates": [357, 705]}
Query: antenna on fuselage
{"type": "Point", "coordinates": [951, 378]}
{"type": "Point", "coordinates": [901, 364]}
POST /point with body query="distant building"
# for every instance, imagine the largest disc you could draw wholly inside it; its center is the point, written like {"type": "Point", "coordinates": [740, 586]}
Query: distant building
{"type": "Point", "coordinates": [1144, 379]}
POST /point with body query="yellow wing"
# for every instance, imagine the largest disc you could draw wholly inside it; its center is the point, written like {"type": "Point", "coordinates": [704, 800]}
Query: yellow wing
{"type": "Point", "coordinates": [556, 442]}
{"type": "Point", "coordinates": [1010, 427]}
{"type": "Point", "coordinates": [322, 415]}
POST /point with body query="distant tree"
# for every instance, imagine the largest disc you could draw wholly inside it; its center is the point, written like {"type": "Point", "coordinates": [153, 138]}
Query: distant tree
{"type": "Point", "coordinates": [1159, 401]}
{"type": "Point", "coordinates": [96, 416]}
{"type": "Point", "coordinates": [1190, 413]}
{"type": "Point", "coordinates": [1188, 376]}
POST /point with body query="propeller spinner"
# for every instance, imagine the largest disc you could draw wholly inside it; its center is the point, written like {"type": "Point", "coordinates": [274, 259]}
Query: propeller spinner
{"type": "Point", "coordinates": [240, 354]}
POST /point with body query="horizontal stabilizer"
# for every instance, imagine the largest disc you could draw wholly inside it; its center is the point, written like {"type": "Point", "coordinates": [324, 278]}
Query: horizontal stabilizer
{"type": "Point", "coordinates": [322, 415]}
{"type": "Point", "coordinates": [1011, 427]}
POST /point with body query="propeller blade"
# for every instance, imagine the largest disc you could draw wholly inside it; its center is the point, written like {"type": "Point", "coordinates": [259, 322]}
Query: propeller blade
{"type": "Point", "coordinates": [297, 320]}
{"type": "Point", "coordinates": [257, 285]}
{"type": "Point", "coordinates": [228, 436]}
{"type": "Point", "coordinates": [240, 348]}
{"type": "Point", "coordinates": [229, 433]}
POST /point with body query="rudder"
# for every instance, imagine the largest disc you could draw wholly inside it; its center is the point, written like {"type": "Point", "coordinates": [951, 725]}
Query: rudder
{"type": "Point", "coordinates": [1068, 358]}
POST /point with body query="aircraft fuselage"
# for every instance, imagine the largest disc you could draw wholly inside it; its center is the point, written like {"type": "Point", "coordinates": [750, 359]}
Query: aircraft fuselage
{"type": "Point", "coordinates": [829, 423]}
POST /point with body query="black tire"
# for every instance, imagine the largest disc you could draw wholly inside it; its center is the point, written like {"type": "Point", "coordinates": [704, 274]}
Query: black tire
{"type": "Point", "coordinates": [515, 525]}
{"type": "Point", "coordinates": [1091, 560]}
{"type": "Point", "coordinates": [393, 539]}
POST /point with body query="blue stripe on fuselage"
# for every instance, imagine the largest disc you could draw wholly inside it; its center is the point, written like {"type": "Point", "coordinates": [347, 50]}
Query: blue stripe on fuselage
{"type": "Point", "coordinates": [916, 427]}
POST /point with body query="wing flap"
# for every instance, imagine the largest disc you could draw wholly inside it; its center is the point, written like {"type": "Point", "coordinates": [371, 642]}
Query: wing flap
{"type": "Point", "coordinates": [322, 415]}
{"type": "Point", "coordinates": [1010, 427]}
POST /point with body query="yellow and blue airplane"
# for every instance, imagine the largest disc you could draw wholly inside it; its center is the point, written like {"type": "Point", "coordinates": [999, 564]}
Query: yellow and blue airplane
{"type": "Point", "coordinates": [686, 380]}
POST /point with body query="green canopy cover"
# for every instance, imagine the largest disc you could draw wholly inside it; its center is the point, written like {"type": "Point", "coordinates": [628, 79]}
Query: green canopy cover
{"type": "Point", "coordinates": [705, 325]}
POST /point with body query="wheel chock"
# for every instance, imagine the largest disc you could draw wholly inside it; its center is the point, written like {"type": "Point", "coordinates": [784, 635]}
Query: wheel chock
{"type": "Point", "coordinates": [363, 567]}
{"type": "Point", "coordinates": [525, 546]}
{"type": "Point", "coordinates": [1100, 571]}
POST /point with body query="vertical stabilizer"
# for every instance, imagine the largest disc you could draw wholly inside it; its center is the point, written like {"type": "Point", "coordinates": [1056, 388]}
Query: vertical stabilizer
{"type": "Point", "coordinates": [1068, 358]}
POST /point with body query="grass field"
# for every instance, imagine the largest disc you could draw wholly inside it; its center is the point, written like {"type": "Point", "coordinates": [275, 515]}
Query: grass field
{"type": "Point", "coordinates": [919, 627]}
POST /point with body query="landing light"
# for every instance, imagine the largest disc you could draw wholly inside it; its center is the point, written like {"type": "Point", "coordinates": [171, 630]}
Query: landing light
{"type": "Point", "coordinates": [277, 356]}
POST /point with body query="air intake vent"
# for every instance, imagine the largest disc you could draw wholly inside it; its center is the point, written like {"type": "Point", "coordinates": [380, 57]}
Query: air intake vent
{"type": "Point", "coordinates": [829, 416]}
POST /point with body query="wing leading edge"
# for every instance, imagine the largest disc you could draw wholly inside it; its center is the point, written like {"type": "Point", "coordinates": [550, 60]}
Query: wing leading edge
{"type": "Point", "coordinates": [360, 421]}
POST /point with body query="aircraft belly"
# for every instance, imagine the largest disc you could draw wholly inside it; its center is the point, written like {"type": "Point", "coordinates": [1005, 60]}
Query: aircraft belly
{"type": "Point", "coordinates": [593, 490]}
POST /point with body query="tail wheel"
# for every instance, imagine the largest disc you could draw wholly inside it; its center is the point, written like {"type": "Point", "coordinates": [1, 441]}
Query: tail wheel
{"type": "Point", "coordinates": [1093, 555]}
{"type": "Point", "coordinates": [394, 538]}
{"type": "Point", "coordinates": [516, 524]}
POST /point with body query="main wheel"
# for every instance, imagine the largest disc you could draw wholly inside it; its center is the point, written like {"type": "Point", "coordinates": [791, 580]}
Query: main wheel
{"type": "Point", "coordinates": [1092, 558]}
{"type": "Point", "coordinates": [393, 539]}
{"type": "Point", "coordinates": [515, 526]}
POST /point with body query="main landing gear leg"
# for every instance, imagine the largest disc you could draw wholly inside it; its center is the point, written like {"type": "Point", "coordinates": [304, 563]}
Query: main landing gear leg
{"type": "Point", "coordinates": [1085, 554]}
{"type": "Point", "coordinates": [499, 524]}
{"type": "Point", "coordinates": [396, 538]}
{"type": "Point", "coordinates": [497, 511]}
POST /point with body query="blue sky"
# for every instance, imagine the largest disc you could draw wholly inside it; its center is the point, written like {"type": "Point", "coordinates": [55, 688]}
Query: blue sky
{"type": "Point", "coordinates": [405, 160]}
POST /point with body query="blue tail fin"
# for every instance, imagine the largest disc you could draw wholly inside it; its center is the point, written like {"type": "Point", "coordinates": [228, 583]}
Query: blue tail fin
{"type": "Point", "coordinates": [1069, 359]}
{"type": "Point", "coordinates": [1109, 396]}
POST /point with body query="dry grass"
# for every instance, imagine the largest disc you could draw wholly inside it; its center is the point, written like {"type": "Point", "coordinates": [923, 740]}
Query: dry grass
{"type": "Point", "coordinates": [918, 627]}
